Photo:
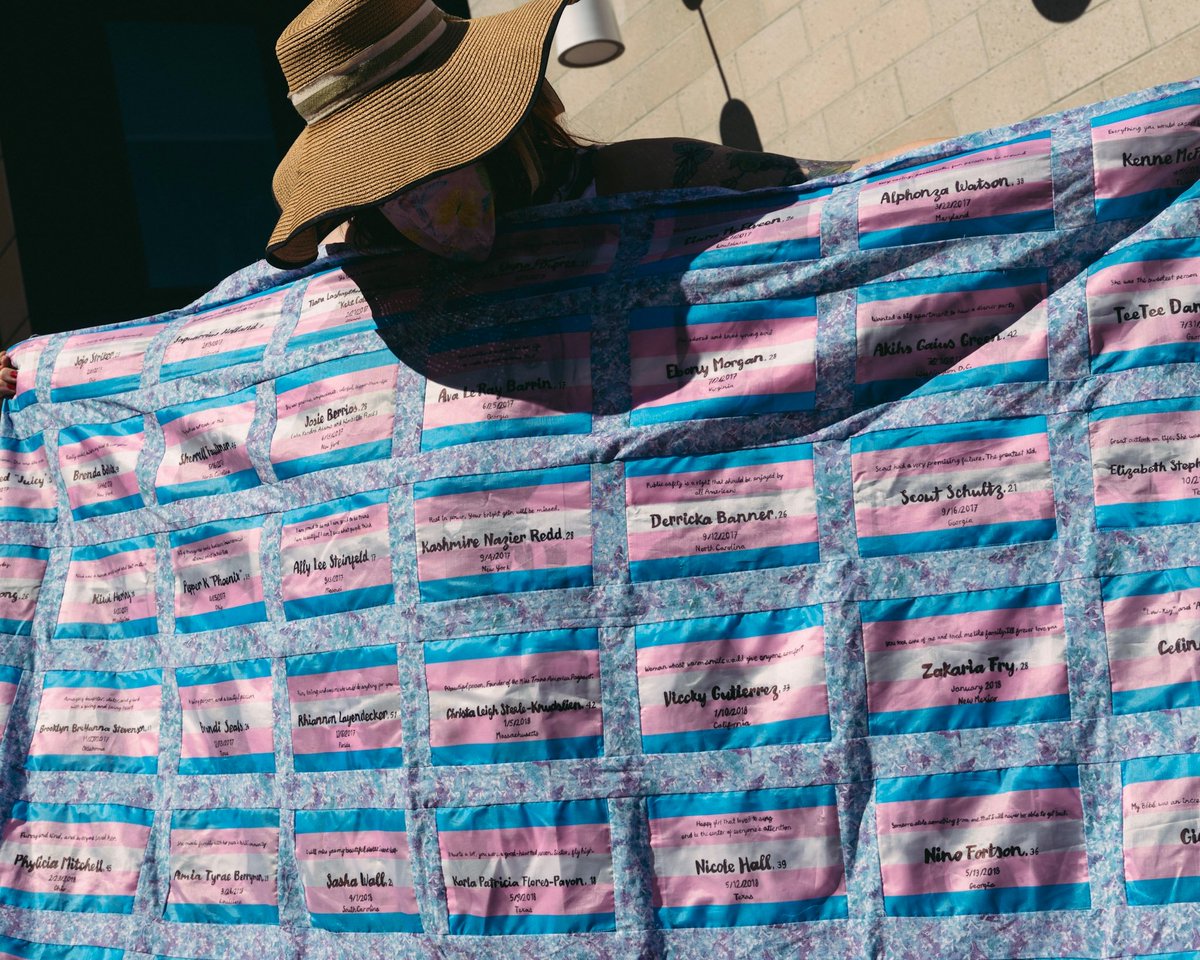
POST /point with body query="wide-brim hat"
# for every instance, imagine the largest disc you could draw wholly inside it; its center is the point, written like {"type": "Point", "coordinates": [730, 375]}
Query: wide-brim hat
{"type": "Point", "coordinates": [393, 93]}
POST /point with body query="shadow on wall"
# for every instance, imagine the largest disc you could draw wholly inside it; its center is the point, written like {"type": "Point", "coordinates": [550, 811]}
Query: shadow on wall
{"type": "Point", "coordinates": [737, 125]}
{"type": "Point", "coordinates": [1061, 11]}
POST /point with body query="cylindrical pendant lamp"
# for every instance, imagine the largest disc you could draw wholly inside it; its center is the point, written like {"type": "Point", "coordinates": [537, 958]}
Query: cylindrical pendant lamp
{"type": "Point", "coordinates": [588, 35]}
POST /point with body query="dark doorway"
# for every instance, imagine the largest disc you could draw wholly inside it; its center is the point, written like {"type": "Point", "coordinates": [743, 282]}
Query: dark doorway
{"type": "Point", "coordinates": [140, 164]}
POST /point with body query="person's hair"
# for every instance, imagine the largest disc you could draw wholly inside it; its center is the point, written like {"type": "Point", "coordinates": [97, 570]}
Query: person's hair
{"type": "Point", "coordinates": [540, 144]}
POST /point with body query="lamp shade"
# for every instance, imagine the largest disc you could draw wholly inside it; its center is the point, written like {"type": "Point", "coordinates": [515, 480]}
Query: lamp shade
{"type": "Point", "coordinates": [587, 34]}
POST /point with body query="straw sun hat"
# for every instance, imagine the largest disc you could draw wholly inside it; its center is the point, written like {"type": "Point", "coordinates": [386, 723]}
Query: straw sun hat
{"type": "Point", "coordinates": [393, 93]}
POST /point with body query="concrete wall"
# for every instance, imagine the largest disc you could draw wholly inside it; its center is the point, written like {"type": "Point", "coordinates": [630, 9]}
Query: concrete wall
{"type": "Point", "coordinates": [833, 79]}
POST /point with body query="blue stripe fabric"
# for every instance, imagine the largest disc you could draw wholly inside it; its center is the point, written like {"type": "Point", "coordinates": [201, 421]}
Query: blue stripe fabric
{"type": "Point", "coordinates": [55, 951]}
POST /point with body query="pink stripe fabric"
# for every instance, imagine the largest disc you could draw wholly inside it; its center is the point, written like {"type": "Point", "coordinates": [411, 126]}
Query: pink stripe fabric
{"type": "Point", "coordinates": [916, 815]}
{"type": "Point", "coordinates": [502, 671]}
{"type": "Point", "coordinates": [1123, 612]}
{"type": "Point", "coordinates": [551, 901]}
{"type": "Point", "coordinates": [722, 230]}
{"type": "Point", "coordinates": [753, 381]}
{"type": "Point", "coordinates": [492, 843]}
{"type": "Point", "coordinates": [951, 455]}
{"type": "Point", "coordinates": [52, 743]}
{"type": "Point", "coordinates": [922, 517]}
{"type": "Point", "coordinates": [754, 535]}
{"type": "Point", "coordinates": [398, 899]}
{"type": "Point", "coordinates": [367, 735]}
{"type": "Point", "coordinates": [238, 326]}
{"type": "Point", "coordinates": [89, 357]}
{"type": "Point", "coordinates": [131, 835]}
{"type": "Point", "coordinates": [548, 726]}
{"type": "Point", "coordinates": [1154, 670]}
{"type": "Point", "coordinates": [711, 486]}
{"type": "Point", "coordinates": [1153, 793]}
{"type": "Point", "coordinates": [768, 648]}
{"type": "Point", "coordinates": [222, 840]}
{"type": "Point", "coordinates": [1052, 867]}
{"type": "Point", "coordinates": [808, 701]}
{"type": "Point", "coordinates": [799, 883]}
{"type": "Point", "coordinates": [540, 499]}
{"type": "Point", "coordinates": [79, 882]}
{"type": "Point", "coordinates": [377, 844]}
{"type": "Point", "coordinates": [522, 556]}
{"type": "Point", "coordinates": [319, 687]}
{"type": "Point", "coordinates": [805, 822]}
{"type": "Point", "coordinates": [72, 698]}
{"type": "Point", "coordinates": [246, 591]}
{"type": "Point", "coordinates": [227, 693]}
{"type": "Point", "coordinates": [916, 694]}
{"type": "Point", "coordinates": [924, 632]}
{"type": "Point", "coordinates": [1161, 862]}
{"type": "Point", "coordinates": [254, 740]}
{"type": "Point", "coordinates": [1030, 160]}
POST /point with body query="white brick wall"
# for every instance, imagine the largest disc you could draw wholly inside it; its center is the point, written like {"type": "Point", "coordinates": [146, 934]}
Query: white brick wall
{"type": "Point", "coordinates": [842, 78]}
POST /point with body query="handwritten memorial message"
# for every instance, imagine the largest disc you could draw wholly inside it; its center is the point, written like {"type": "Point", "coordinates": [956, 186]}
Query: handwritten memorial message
{"type": "Point", "coordinates": [1143, 305]}
{"type": "Point", "coordinates": [504, 532]}
{"type": "Point", "coordinates": [745, 680]}
{"type": "Point", "coordinates": [1146, 463]}
{"type": "Point", "coordinates": [84, 857]}
{"type": "Point", "coordinates": [977, 659]}
{"type": "Point", "coordinates": [218, 577]}
{"type": "Point", "coordinates": [694, 516]}
{"type": "Point", "coordinates": [1160, 807]}
{"type": "Point", "coordinates": [517, 380]}
{"type": "Point", "coordinates": [345, 710]}
{"type": "Point", "coordinates": [1145, 156]}
{"type": "Point", "coordinates": [515, 697]}
{"type": "Point", "coordinates": [98, 720]}
{"type": "Point", "coordinates": [336, 557]}
{"type": "Point", "coordinates": [334, 413]}
{"type": "Point", "coordinates": [743, 859]}
{"type": "Point", "coordinates": [224, 866]}
{"type": "Point", "coordinates": [228, 720]}
{"type": "Point", "coordinates": [722, 359]}
{"type": "Point", "coordinates": [110, 592]}
{"type": "Point", "coordinates": [949, 333]}
{"type": "Point", "coordinates": [952, 486]}
{"type": "Point", "coordinates": [1152, 623]}
{"type": "Point", "coordinates": [21, 571]}
{"type": "Point", "coordinates": [737, 232]}
{"type": "Point", "coordinates": [335, 305]}
{"type": "Point", "coordinates": [987, 841]}
{"type": "Point", "coordinates": [1006, 188]}
{"type": "Point", "coordinates": [206, 450]}
{"type": "Point", "coordinates": [356, 871]}
{"type": "Point", "coordinates": [230, 335]}
{"type": "Point", "coordinates": [103, 363]}
{"type": "Point", "coordinates": [27, 493]}
{"type": "Point", "coordinates": [99, 464]}
{"type": "Point", "coordinates": [529, 868]}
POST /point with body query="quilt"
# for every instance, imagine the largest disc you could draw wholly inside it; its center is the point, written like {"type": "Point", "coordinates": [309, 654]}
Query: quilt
{"type": "Point", "coordinates": [811, 572]}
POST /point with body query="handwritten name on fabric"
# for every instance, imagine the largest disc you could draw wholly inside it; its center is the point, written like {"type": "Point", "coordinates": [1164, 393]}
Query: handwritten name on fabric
{"type": "Point", "coordinates": [356, 870]}
{"type": "Point", "coordinates": [740, 859]}
{"type": "Point", "coordinates": [224, 867]}
{"type": "Point", "coordinates": [78, 857]}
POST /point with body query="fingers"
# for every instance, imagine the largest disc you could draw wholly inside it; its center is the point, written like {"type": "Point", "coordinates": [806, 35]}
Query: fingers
{"type": "Point", "coordinates": [8, 375]}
